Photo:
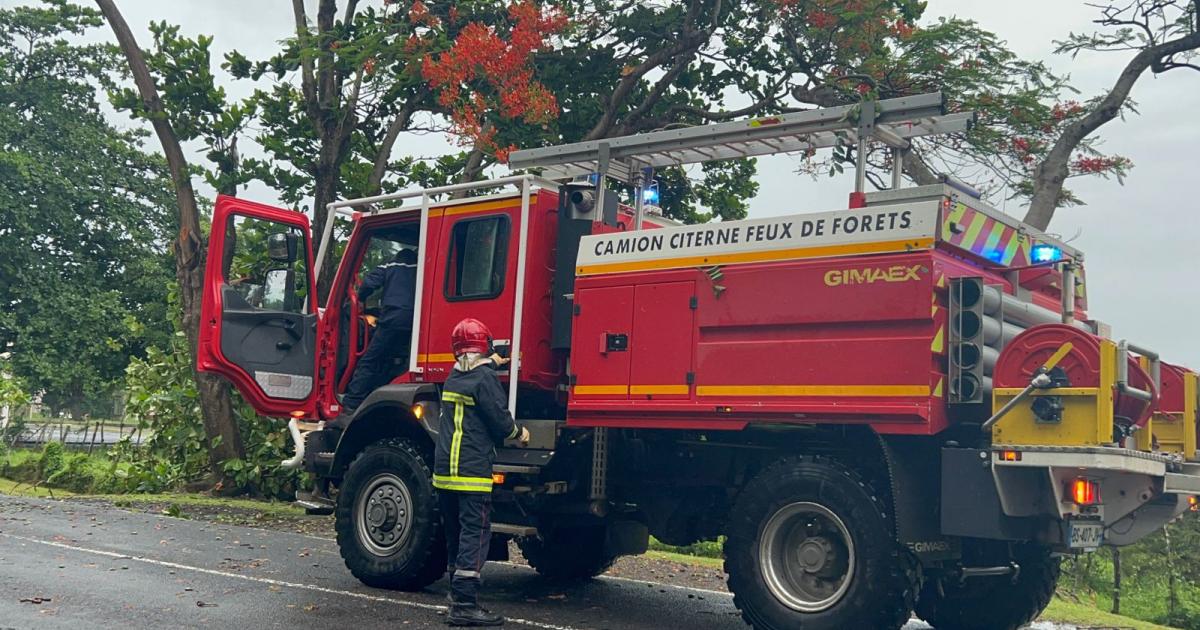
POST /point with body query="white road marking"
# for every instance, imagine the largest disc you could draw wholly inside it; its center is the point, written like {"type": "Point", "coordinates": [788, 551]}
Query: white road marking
{"type": "Point", "coordinates": [270, 581]}
{"type": "Point", "coordinates": [507, 564]}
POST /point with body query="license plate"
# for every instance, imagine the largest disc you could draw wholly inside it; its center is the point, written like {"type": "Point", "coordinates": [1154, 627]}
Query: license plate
{"type": "Point", "coordinates": [1084, 535]}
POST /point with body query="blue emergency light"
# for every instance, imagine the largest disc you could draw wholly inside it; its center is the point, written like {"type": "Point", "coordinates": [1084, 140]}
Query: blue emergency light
{"type": "Point", "coordinates": [650, 194]}
{"type": "Point", "coordinates": [1043, 253]}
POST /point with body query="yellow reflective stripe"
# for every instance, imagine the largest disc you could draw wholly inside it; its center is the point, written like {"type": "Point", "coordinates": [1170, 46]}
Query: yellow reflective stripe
{"type": "Point", "coordinates": [455, 397]}
{"type": "Point", "coordinates": [456, 441]}
{"type": "Point", "coordinates": [465, 484]}
{"type": "Point", "coordinates": [650, 390]}
{"type": "Point", "coordinates": [601, 389]}
{"type": "Point", "coordinates": [515, 431]}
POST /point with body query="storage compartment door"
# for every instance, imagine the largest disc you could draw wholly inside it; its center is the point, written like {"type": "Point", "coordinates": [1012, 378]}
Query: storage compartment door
{"type": "Point", "coordinates": [601, 340]}
{"type": "Point", "coordinates": [663, 330]}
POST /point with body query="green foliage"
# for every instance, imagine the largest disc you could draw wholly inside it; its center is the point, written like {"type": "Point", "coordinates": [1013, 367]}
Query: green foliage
{"type": "Point", "coordinates": [83, 220]}
{"type": "Point", "coordinates": [13, 395]}
{"type": "Point", "coordinates": [702, 549]}
{"type": "Point", "coordinates": [163, 401]}
{"type": "Point", "coordinates": [197, 107]}
{"type": "Point", "coordinates": [55, 467]}
{"type": "Point", "coordinates": [51, 460]}
{"type": "Point", "coordinates": [1148, 569]}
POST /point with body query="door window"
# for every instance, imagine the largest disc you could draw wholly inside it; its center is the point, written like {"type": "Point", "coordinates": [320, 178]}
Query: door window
{"type": "Point", "coordinates": [265, 263]}
{"type": "Point", "coordinates": [477, 257]}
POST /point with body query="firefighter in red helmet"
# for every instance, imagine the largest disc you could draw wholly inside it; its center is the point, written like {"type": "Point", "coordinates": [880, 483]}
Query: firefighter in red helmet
{"type": "Point", "coordinates": [474, 421]}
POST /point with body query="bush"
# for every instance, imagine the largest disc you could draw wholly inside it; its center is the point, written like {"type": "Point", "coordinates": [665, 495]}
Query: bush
{"type": "Point", "coordinates": [1160, 577]}
{"type": "Point", "coordinates": [163, 401]}
{"type": "Point", "coordinates": [51, 460]}
{"type": "Point", "coordinates": [54, 467]}
{"type": "Point", "coordinates": [703, 549]}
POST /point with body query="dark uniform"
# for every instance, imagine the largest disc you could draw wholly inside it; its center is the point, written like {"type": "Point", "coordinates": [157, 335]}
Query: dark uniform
{"type": "Point", "coordinates": [393, 333]}
{"type": "Point", "coordinates": [474, 421]}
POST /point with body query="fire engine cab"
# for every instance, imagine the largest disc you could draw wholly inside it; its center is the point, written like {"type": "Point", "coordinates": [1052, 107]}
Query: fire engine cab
{"type": "Point", "coordinates": [901, 406]}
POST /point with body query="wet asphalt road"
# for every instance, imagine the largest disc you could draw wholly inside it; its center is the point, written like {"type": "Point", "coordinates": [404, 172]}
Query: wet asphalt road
{"type": "Point", "coordinates": [77, 565]}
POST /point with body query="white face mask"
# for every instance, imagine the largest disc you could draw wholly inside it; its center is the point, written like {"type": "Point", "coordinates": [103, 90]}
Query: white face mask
{"type": "Point", "coordinates": [468, 361]}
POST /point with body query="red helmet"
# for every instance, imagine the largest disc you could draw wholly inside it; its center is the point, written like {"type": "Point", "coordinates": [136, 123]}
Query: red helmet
{"type": "Point", "coordinates": [470, 335]}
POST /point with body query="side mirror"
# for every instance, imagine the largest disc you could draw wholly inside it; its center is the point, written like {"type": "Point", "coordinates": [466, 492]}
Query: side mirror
{"type": "Point", "coordinates": [282, 246]}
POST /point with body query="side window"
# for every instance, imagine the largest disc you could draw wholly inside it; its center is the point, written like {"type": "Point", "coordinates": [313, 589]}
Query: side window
{"type": "Point", "coordinates": [266, 264]}
{"type": "Point", "coordinates": [477, 257]}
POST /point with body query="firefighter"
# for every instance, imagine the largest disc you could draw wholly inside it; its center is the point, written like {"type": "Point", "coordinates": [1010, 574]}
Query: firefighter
{"type": "Point", "coordinates": [393, 333]}
{"type": "Point", "coordinates": [474, 421]}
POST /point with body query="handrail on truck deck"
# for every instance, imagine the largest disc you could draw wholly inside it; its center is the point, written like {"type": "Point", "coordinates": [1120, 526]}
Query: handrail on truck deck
{"type": "Point", "coordinates": [524, 183]}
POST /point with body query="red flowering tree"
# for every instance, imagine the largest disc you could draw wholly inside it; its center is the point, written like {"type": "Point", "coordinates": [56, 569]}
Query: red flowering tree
{"type": "Point", "coordinates": [487, 75]}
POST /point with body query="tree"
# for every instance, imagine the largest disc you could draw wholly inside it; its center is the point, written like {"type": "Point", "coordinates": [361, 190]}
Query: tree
{"type": "Point", "coordinates": [83, 219]}
{"type": "Point", "coordinates": [1032, 135]}
{"type": "Point", "coordinates": [621, 68]}
{"type": "Point", "coordinates": [344, 93]}
{"type": "Point", "coordinates": [1166, 36]}
{"type": "Point", "coordinates": [189, 247]}
{"type": "Point", "coordinates": [196, 106]}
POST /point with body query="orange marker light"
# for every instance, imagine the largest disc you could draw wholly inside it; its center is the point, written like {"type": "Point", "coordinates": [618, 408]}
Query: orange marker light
{"type": "Point", "coordinates": [297, 414]}
{"type": "Point", "coordinates": [1010, 456]}
{"type": "Point", "coordinates": [498, 478]}
{"type": "Point", "coordinates": [1194, 503]}
{"type": "Point", "coordinates": [1085, 492]}
{"type": "Point", "coordinates": [418, 411]}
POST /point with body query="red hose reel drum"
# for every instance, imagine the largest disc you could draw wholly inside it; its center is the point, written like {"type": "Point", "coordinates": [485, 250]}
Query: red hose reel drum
{"type": "Point", "coordinates": [1028, 351]}
{"type": "Point", "coordinates": [1171, 398]}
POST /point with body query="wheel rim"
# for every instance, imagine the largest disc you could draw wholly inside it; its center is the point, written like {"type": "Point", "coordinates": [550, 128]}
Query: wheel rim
{"type": "Point", "coordinates": [806, 557]}
{"type": "Point", "coordinates": [383, 514]}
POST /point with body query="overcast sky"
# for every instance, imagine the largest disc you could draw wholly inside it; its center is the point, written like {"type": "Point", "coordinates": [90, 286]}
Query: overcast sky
{"type": "Point", "coordinates": [1141, 239]}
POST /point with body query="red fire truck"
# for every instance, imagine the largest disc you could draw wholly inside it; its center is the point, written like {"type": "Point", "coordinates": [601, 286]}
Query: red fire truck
{"type": "Point", "coordinates": [901, 406]}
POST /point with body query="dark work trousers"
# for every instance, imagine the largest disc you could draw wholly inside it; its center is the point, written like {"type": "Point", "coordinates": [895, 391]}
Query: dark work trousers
{"type": "Point", "coordinates": [390, 340]}
{"type": "Point", "coordinates": [467, 517]}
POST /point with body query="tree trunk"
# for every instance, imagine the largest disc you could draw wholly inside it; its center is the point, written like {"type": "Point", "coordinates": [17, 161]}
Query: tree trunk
{"type": "Point", "coordinates": [379, 168]}
{"type": "Point", "coordinates": [1172, 594]}
{"type": "Point", "coordinates": [216, 408]}
{"type": "Point", "coordinates": [471, 171]}
{"type": "Point", "coordinates": [1116, 596]}
{"type": "Point", "coordinates": [1052, 173]}
{"type": "Point", "coordinates": [325, 192]}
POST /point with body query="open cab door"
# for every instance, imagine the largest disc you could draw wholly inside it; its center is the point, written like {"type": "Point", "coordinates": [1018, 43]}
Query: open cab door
{"type": "Point", "coordinates": [258, 325]}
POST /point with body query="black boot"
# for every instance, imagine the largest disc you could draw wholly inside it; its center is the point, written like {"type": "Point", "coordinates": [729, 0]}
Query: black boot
{"type": "Point", "coordinates": [472, 615]}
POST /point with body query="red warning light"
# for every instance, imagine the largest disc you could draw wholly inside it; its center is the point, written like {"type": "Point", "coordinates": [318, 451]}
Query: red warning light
{"type": "Point", "coordinates": [1085, 492]}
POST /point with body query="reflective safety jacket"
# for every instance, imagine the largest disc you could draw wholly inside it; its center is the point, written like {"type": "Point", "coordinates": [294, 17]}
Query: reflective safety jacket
{"type": "Point", "coordinates": [473, 422]}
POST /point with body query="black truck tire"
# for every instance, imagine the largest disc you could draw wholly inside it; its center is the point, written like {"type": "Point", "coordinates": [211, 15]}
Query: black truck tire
{"type": "Point", "coordinates": [992, 603]}
{"type": "Point", "coordinates": [389, 530]}
{"type": "Point", "coordinates": [567, 553]}
{"type": "Point", "coordinates": [842, 568]}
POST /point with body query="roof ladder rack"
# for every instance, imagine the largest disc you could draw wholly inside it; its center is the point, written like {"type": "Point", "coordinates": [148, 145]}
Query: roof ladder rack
{"type": "Point", "coordinates": [894, 122]}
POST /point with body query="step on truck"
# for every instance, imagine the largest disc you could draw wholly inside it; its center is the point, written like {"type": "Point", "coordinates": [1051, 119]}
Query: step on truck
{"type": "Point", "coordinates": [903, 406]}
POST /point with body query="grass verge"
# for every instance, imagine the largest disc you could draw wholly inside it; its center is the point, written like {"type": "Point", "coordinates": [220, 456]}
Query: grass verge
{"type": "Point", "coordinates": [709, 563]}
{"type": "Point", "coordinates": [1084, 615]}
{"type": "Point", "coordinates": [275, 509]}
{"type": "Point", "coordinates": [23, 489]}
